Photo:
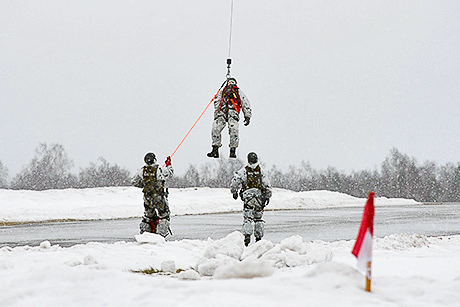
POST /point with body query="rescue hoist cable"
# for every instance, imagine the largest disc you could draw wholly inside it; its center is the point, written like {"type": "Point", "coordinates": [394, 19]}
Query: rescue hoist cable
{"type": "Point", "coordinates": [229, 59]}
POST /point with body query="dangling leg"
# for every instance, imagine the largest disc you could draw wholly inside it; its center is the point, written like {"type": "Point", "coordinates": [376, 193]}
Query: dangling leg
{"type": "Point", "coordinates": [216, 134]}
{"type": "Point", "coordinates": [233, 131]}
{"type": "Point", "coordinates": [232, 152]}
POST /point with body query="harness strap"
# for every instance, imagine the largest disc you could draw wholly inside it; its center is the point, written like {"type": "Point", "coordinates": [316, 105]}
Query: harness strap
{"type": "Point", "coordinates": [235, 105]}
{"type": "Point", "coordinates": [235, 100]}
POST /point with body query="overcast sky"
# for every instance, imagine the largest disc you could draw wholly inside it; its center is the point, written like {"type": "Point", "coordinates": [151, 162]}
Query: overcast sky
{"type": "Point", "coordinates": [333, 83]}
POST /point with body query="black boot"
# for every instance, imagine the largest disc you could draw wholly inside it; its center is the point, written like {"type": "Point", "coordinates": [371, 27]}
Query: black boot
{"type": "Point", "coordinates": [214, 153]}
{"type": "Point", "coordinates": [232, 152]}
{"type": "Point", "coordinates": [247, 239]}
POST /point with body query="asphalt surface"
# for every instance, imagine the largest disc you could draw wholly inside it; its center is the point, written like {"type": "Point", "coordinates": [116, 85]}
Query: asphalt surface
{"type": "Point", "coordinates": [317, 224]}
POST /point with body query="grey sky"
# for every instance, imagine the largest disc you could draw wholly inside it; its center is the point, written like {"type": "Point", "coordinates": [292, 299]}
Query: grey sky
{"type": "Point", "coordinates": [334, 83]}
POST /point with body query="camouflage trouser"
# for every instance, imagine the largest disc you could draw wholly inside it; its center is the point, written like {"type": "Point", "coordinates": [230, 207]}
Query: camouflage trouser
{"type": "Point", "coordinates": [253, 223]}
{"type": "Point", "coordinates": [218, 125]}
{"type": "Point", "coordinates": [252, 213]}
{"type": "Point", "coordinates": [156, 214]}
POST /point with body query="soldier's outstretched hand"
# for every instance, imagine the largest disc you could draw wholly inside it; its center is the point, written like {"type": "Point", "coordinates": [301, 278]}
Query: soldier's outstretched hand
{"type": "Point", "coordinates": [168, 161]}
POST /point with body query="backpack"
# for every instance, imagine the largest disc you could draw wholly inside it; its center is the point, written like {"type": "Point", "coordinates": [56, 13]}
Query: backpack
{"type": "Point", "coordinates": [151, 184]}
{"type": "Point", "coordinates": [254, 178]}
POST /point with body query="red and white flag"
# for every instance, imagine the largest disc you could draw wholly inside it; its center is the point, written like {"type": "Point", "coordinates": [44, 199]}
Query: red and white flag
{"type": "Point", "coordinates": [363, 246]}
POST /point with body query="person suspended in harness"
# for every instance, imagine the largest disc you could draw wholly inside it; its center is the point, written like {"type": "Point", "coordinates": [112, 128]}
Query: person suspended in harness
{"type": "Point", "coordinates": [151, 178]}
{"type": "Point", "coordinates": [254, 188]}
{"type": "Point", "coordinates": [228, 104]}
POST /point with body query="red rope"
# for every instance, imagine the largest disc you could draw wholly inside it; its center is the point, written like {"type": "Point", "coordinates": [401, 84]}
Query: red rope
{"type": "Point", "coordinates": [194, 124]}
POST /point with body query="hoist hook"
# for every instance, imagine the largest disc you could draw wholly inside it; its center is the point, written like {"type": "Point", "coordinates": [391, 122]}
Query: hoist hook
{"type": "Point", "coordinates": [229, 62]}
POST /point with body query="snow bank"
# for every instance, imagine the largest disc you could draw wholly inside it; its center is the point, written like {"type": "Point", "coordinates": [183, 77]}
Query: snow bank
{"type": "Point", "coordinates": [125, 202]}
{"type": "Point", "coordinates": [224, 273]}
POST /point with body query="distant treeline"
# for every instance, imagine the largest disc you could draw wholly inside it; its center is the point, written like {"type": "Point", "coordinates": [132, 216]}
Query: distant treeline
{"type": "Point", "coordinates": [399, 176]}
{"type": "Point", "coordinates": [51, 169]}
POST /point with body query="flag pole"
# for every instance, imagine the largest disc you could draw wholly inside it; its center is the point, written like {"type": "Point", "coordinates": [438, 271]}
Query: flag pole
{"type": "Point", "coordinates": [368, 276]}
{"type": "Point", "coordinates": [363, 245]}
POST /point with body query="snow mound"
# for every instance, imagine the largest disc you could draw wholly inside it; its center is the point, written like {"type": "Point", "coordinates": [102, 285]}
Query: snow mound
{"type": "Point", "coordinates": [335, 268]}
{"type": "Point", "coordinates": [168, 266]}
{"type": "Point", "coordinates": [207, 267]}
{"type": "Point", "coordinates": [45, 244]}
{"type": "Point", "coordinates": [148, 237]}
{"type": "Point", "coordinates": [293, 251]}
{"type": "Point", "coordinates": [228, 258]}
{"type": "Point", "coordinates": [232, 245]}
{"type": "Point", "coordinates": [336, 275]}
{"type": "Point", "coordinates": [189, 275]}
{"type": "Point", "coordinates": [248, 268]}
{"type": "Point", "coordinates": [257, 249]}
{"type": "Point", "coordinates": [402, 241]}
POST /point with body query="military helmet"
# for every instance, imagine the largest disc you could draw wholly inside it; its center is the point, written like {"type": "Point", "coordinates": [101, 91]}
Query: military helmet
{"type": "Point", "coordinates": [231, 81]}
{"type": "Point", "coordinates": [150, 158]}
{"type": "Point", "coordinates": [252, 157]}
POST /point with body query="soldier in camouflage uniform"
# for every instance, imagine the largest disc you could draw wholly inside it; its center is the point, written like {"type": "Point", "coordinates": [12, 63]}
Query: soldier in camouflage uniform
{"type": "Point", "coordinates": [151, 178]}
{"type": "Point", "coordinates": [255, 191]}
{"type": "Point", "coordinates": [228, 104]}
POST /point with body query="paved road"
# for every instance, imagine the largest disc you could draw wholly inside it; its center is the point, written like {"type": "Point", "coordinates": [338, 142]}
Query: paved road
{"type": "Point", "coordinates": [321, 224]}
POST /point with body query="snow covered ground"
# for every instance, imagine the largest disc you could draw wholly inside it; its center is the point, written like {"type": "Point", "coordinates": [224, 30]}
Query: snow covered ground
{"type": "Point", "coordinates": [408, 269]}
{"type": "Point", "coordinates": [125, 202]}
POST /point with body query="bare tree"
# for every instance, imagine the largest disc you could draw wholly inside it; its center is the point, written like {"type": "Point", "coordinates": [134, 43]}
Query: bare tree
{"type": "Point", "coordinates": [102, 174]}
{"type": "Point", "coordinates": [3, 176]}
{"type": "Point", "coordinates": [449, 180]}
{"type": "Point", "coordinates": [400, 174]}
{"type": "Point", "coordinates": [49, 169]}
{"type": "Point", "coordinates": [192, 177]}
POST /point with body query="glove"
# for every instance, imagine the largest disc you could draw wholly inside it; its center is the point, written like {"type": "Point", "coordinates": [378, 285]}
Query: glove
{"type": "Point", "coordinates": [246, 121]}
{"type": "Point", "coordinates": [235, 195]}
{"type": "Point", "coordinates": [168, 161]}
